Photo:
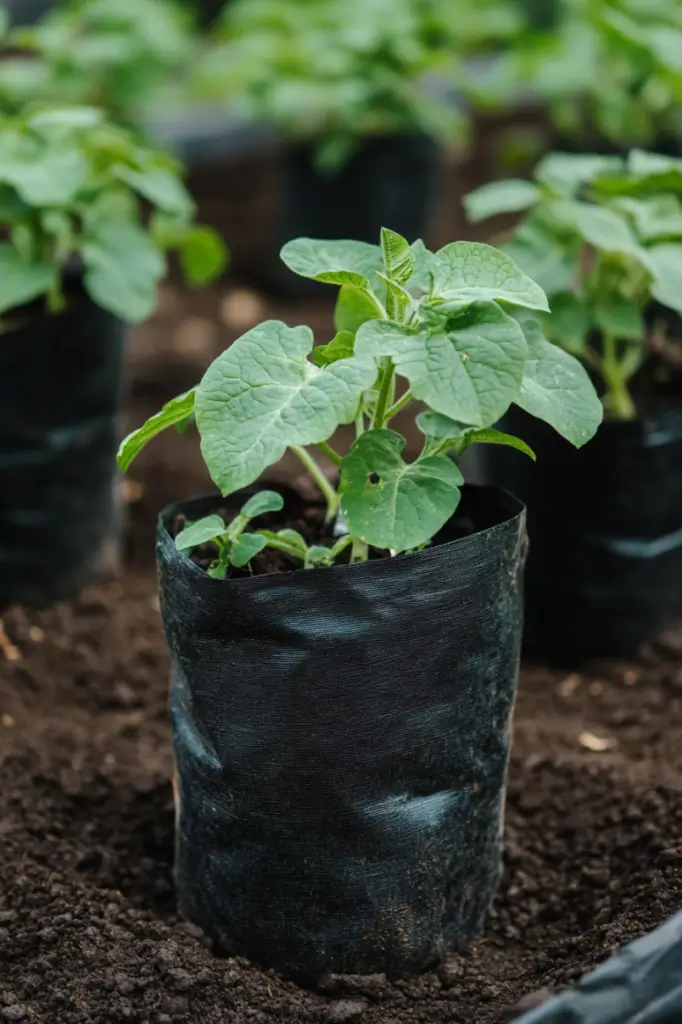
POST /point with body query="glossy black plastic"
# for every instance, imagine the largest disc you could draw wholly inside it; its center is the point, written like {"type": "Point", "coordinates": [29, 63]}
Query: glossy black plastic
{"type": "Point", "coordinates": [604, 568]}
{"type": "Point", "coordinates": [60, 379]}
{"type": "Point", "coordinates": [341, 742]}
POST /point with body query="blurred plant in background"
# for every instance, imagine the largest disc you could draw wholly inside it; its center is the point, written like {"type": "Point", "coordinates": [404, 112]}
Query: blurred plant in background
{"type": "Point", "coordinates": [342, 70]}
{"type": "Point", "coordinates": [609, 70]}
{"type": "Point", "coordinates": [123, 55]}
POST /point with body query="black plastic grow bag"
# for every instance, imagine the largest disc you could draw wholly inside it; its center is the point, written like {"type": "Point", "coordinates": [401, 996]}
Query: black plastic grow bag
{"type": "Point", "coordinates": [390, 181]}
{"type": "Point", "coordinates": [60, 380]}
{"type": "Point", "coordinates": [341, 742]}
{"type": "Point", "coordinates": [641, 985]}
{"type": "Point", "coordinates": [604, 569]}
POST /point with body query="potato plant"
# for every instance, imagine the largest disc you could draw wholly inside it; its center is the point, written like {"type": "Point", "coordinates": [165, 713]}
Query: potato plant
{"type": "Point", "coordinates": [459, 327]}
{"type": "Point", "coordinates": [603, 236]}
{"type": "Point", "coordinates": [73, 188]}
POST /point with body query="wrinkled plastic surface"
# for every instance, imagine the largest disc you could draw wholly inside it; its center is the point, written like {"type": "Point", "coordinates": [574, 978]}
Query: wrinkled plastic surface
{"type": "Point", "coordinates": [341, 741]}
{"type": "Point", "coordinates": [604, 568]}
{"type": "Point", "coordinates": [641, 985]}
{"type": "Point", "coordinates": [390, 182]}
{"type": "Point", "coordinates": [60, 379]}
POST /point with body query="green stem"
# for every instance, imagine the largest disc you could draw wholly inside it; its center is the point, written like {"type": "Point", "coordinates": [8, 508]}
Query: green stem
{"type": "Point", "coordinates": [359, 424]}
{"type": "Point", "coordinates": [359, 552]}
{"type": "Point", "coordinates": [618, 399]}
{"type": "Point", "coordinates": [399, 406]}
{"type": "Point", "coordinates": [330, 453]}
{"type": "Point", "coordinates": [281, 545]}
{"type": "Point", "coordinates": [385, 394]}
{"type": "Point", "coordinates": [330, 495]}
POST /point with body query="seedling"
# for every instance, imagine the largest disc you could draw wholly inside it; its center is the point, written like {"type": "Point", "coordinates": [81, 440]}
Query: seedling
{"type": "Point", "coordinates": [458, 326]}
{"type": "Point", "coordinates": [603, 236]}
{"type": "Point", "coordinates": [338, 71]}
{"type": "Point", "coordinates": [71, 192]}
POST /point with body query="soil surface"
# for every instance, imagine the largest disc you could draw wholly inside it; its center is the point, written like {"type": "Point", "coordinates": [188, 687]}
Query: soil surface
{"type": "Point", "coordinates": [88, 928]}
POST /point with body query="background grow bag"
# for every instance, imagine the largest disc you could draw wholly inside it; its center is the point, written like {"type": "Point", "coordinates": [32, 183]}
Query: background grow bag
{"type": "Point", "coordinates": [641, 985]}
{"type": "Point", "coordinates": [390, 181]}
{"type": "Point", "coordinates": [60, 380]}
{"type": "Point", "coordinates": [341, 741]}
{"type": "Point", "coordinates": [604, 567]}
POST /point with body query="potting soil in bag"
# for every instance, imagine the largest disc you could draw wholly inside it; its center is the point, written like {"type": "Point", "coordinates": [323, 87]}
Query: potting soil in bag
{"type": "Point", "coordinates": [604, 567]}
{"type": "Point", "coordinates": [341, 742]}
{"type": "Point", "coordinates": [641, 985]}
{"type": "Point", "coordinates": [59, 392]}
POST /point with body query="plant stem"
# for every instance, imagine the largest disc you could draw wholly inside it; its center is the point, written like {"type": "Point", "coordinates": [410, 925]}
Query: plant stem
{"type": "Point", "coordinates": [330, 495]}
{"type": "Point", "coordinates": [359, 424]}
{"type": "Point", "coordinates": [359, 552]}
{"type": "Point", "coordinates": [385, 394]}
{"type": "Point", "coordinates": [398, 406]}
{"type": "Point", "coordinates": [281, 545]}
{"type": "Point", "coordinates": [330, 453]}
{"type": "Point", "coordinates": [618, 398]}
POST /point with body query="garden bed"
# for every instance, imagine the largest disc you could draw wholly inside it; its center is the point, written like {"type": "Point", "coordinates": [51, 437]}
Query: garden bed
{"type": "Point", "coordinates": [88, 930]}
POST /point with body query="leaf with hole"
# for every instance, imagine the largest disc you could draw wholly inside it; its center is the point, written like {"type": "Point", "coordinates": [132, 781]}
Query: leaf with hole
{"type": "Point", "coordinates": [392, 504]}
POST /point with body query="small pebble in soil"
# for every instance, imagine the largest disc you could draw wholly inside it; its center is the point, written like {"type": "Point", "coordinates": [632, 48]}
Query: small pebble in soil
{"type": "Point", "coordinates": [14, 1012]}
{"type": "Point", "coordinates": [345, 1010]}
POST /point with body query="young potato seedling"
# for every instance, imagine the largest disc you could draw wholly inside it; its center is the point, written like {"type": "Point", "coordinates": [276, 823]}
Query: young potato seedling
{"type": "Point", "coordinates": [459, 327]}
{"type": "Point", "coordinates": [603, 236]}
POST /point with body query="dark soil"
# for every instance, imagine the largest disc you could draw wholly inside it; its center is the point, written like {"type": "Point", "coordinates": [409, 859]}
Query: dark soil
{"type": "Point", "coordinates": [88, 928]}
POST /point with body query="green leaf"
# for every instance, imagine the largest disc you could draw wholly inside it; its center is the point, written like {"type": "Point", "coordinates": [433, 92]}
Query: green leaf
{"type": "Point", "coordinates": [467, 272]}
{"type": "Point", "coordinates": [398, 257]}
{"type": "Point", "coordinates": [203, 256]}
{"type": "Point", "coordinates": [570, 322]}
{"type": "Point", "coordinates": [605, 229]}
{"type": "Point", "coordinates": [65, 117]}
{"type": "Point", "coordinates": [655, 219]}
{"type": "Point", "coordinates": [419, 283]}
{"type": "Point", "coordinates": [160, 186]}
{"type": "Point", "coordinates": [389, 503]}
{"type": "Point", "coordinates": [557, 389]}
{"type": "Point", "coordinates": [122, 269]}
{"type": "Point", "coordinates": [261, 503]}
{"type": "Point", "coordinates": [620, 317]}
{"type": "Point", "coordinates": [22, 281]}
{"type": "Point", "coordinates": [294, 538]}
{"type": "Point", "coordinates": [200, 532]}
{"type": "Point", "coordinates": [42, 175]}
{"type": "Point", "coordinates": [317, 555]}
{"type": "Point", "coordinates": [666, 264]}
{"type": "Point", "coordinates": [446, 434]}
{"type": "Point", "coordinates": [354, 307]}
{"type": "Point", "coordinates": [246, 547]}
{"type": "Point", "coordinates": [566, 172]}
{"type": "Point", "coordinates": [340, 347]}
{"type": "Point", "coordinates": [500, 197]}
{"type": "Point", "coordinates": [471, 371]}
{"type": "Point", "coordinates": [175, 411]}
{"type": "Point", "coordinates": [333, 262]}
{"type": "Point", "coordinates": [263, 394]}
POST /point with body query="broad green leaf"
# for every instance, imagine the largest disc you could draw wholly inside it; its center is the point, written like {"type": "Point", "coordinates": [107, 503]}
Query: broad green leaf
{"type": "Point", "coordinates": [317, 555]}
{"type": "Point", "coordinates": [200, 532]}
{"type": "Point", "coordinates": [605, 229]}
{"type": "Point", "coordinates": [261, 503]}
{"type": "Point", "coordinates": [546, 264]}
{"type": "Point", "coordinates": [340, 347]}
{"type": "Point", "coordinates": [569, 322]}
{"type": "Point", "coordinates": [160, 186]}
{"type": "Point", "coordinates": [419, 283]}
{"type": "Point", "coordinates": [666, 264]}
{"type": "Point", "coordinates": [499, 197]}
{"type": "Point", "coordinates": [333, 262]}
{"type": "Point", "coordinates": [446, 434]}
{"type": "Point", "coordinates": [655, 219]}
{"type": "Point", "coordinates": [295, 539]}
{"type": "Point", "coordinates": [263, 394]}
{"type": "Point", "coordinates": [467, 272]}
{"type": "Point", "coordinates": [471, 372]}
{"type": "Point", "coordinates": [354, 306]}
{"type": "Point", "coordinates": [203, 256]}
{"type": "Point", "coordinates": [398, 257]}
{"type": "Point", "coordinates": [42, 175]}
{"type": "Point", "coordinates": [566, 172]}
{"type": "Point", "coordinates": [557, 389]}
{"type": "Point", "coordinates": [389, 503]}
{"type": "Point", "coordinates": [122, 269]}
{"type": "Point", "coordinates": [620, 318]}
{"type": "Point", "coordinates": [65, 117]}
{"type": "Point", "coordinates": [22, 281]}
{"type": "Point", "coordinates": [175, 411]}
{"type": "Point", "coordinates": [246, 547]}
